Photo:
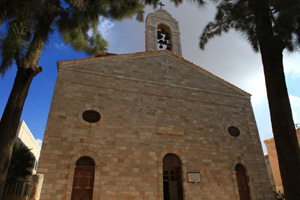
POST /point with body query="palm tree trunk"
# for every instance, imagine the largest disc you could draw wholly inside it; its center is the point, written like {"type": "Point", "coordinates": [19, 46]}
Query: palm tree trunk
{"type": "Point", "coordinates": [11, 118]}
{"type": "Point", "coordinates": [285, 137]}
{"type": "Point", "coordinates": [2, 17]}
{"type": "Point", "coordinates": [287, 146]}
{"type": "Point", "coordinates": [27, 70]}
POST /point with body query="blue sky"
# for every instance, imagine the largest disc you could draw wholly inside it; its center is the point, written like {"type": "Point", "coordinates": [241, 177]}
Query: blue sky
{"type": "Point", "coordinates": [37, 104]}
{"type": "Point", "coordinates": [229, 57]}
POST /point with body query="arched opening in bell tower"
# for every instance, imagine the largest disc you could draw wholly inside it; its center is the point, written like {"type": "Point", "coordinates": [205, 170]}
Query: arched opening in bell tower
{"type": "Point", "coordinates": [164, 37]}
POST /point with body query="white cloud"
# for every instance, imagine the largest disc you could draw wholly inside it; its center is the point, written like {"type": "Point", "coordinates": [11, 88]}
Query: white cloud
{"type": "Point", "coordinates": [292, 64]}
{"type": "Point", "coordinates": [295, 104]}
{"type": "Point", "coordinates": [104, 27]}
{"type": "Point", "coordinates": [40, 142]}
{"type": "Point", "coordinates": [255, 85]}
{"type": "Point", "coordinates": [60, 46]}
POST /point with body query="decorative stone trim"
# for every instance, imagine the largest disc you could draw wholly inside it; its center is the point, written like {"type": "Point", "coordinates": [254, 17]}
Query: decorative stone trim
{"type": "Point", "coordinates": [169, 129]}
{"type": "Point", "coordinates": [234, 131]}
{"type": "Point", "coordinates": [72, 165]}
{"type": "Point", "coordinates": [87, 108]}
{"type": "Point", "coordinates": [248, 174]}
{"type": "Point", "coordinates": [160, 171]}
{"type": "Point", "coordinates": [229, 135]}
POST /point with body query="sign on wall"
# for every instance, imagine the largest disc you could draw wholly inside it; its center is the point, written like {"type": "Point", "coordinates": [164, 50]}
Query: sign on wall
{"type": "Point", "coordinates": [193, 177]}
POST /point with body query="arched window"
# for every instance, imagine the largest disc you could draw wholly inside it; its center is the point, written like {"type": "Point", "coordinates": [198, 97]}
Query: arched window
{"type": "Point", "coordinates": [86, 161]}
{"type": "Point", "coordinates": [242, 182]}
{"type": "Point", "coordinates": [83, 181]}
{"type": "Point", "coordinates": [164, 37]}
{"type": "Point", "coordinates": [172, 178]}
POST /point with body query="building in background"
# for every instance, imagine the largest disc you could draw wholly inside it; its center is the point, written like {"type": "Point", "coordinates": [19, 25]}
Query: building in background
{"type": "Point", "coordinates": [24, 137]}
{"type": "Point", "coordinates": [20, 188]}
{"type": "Point", "coordinates": [269, 168]}
{"type": "Point", "coordinates": [273, 159]}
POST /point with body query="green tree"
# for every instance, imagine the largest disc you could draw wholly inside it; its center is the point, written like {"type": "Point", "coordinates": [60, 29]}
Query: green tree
{"type": "Point", "coordinates": [21, 163]}
{"type": "Point", "coordinates": [27, 27]}
{"type": "Point", "coordinates": [270, 26]}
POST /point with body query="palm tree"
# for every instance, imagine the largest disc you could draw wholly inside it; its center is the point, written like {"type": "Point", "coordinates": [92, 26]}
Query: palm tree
{"type": "Point", "coordinates": [270, 26]}
{"type": "Point", "coordinates": [21, 163]}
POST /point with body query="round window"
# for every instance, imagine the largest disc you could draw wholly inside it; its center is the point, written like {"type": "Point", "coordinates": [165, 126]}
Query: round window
{"type": "Point", "coordinates": [91, 116]}
{"type": "Point", "coordinates": [234, 131]}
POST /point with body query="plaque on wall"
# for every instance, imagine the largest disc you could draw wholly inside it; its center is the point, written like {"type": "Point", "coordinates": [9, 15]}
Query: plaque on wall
{"type": "Point", "coordinates": [193, 177]}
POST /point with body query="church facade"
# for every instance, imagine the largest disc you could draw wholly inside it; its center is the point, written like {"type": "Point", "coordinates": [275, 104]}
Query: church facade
{"type": "Point", "coordinates": [150, 126]}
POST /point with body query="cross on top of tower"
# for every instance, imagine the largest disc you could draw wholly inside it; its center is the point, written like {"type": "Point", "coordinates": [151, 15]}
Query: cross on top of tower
{"type": "Point", "coordinates": [161, 5]}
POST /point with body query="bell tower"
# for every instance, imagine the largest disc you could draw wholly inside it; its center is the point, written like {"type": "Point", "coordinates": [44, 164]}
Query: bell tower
{"type": "Point", "coordinates": [162, 32]}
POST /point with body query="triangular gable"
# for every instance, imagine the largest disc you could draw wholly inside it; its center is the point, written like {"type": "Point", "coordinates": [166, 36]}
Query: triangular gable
{"type": "Point", "coordinates": [163, 67]}
{"type": "Point", "coordinates": [161, 13]}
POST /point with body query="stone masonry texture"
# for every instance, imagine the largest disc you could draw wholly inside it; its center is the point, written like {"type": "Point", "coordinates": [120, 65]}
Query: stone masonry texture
{"type": "Point", "coordinates": [146, 113]}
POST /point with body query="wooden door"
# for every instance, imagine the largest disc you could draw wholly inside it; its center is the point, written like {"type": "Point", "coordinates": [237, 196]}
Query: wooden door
{"type": "Point", "coordinates": [172, 181]}
{"type": "Point", "coordinates": [242, 183]}
{"type": "Point", "coordinates": [83, 183]}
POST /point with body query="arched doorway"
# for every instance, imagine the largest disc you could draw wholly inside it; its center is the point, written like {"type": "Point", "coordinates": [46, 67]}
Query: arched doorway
{"type": "Point", "coordinates": [242, 182]}
{"type": "Point", "coordinates": [83, 181]}
{"type": "Point", "coordinates": [172, 181]}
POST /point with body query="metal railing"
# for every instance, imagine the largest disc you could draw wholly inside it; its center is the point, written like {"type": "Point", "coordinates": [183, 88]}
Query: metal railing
{"type": "Point", "coordinates": [16, 190]}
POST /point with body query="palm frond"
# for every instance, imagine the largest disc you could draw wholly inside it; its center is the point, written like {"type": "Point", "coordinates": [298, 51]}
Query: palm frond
{"type": "Point", "coordinates": [239, 15]}
{"type": "Point", "coordinates": [14, 44]}
{"type": "Point", "coordinates": [22, 162]}
{"type": "Point", "coordinates": [222, 23]}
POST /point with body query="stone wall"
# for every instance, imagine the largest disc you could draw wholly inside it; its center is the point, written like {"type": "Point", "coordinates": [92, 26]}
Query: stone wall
{"type": "Point", "coordinates": [272, 153]}
{"type": "Point", "coordinates": [36, 187]}
{"type": "Point", "coordinates": [145, 114]}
